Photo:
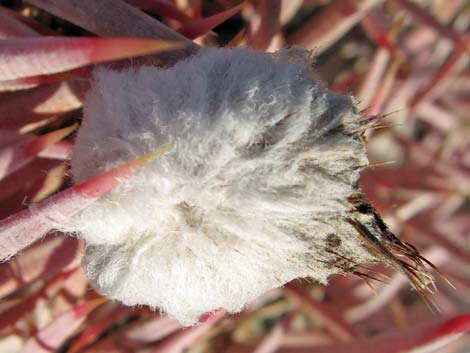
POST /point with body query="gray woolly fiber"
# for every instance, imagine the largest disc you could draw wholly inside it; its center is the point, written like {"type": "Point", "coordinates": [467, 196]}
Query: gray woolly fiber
{"type": "Point", "coordinates": [251, 194]}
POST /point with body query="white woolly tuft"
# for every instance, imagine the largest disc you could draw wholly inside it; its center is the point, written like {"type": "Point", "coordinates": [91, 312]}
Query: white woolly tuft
{"type": "Point", "coordinates": [248, 198]}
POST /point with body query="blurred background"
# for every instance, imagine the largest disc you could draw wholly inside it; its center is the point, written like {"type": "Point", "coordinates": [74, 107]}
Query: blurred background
{"type": "Point", "coordinates": [407, 62]}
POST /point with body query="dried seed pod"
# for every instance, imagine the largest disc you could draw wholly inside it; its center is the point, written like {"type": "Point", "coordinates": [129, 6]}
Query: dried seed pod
{"type": "Point", "coordinates": [260, 186]}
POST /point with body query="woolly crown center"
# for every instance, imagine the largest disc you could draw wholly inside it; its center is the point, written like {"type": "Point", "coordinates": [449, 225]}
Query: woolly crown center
{"type": "Point", "coordinates": [192, 215]}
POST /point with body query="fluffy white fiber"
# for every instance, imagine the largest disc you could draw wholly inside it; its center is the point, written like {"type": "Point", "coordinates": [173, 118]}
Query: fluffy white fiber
{"type": "Point", "coordinates": [250, 196]}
